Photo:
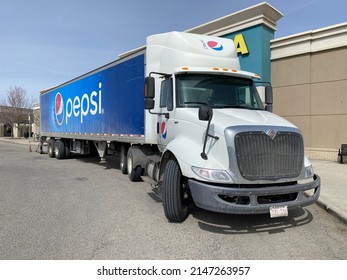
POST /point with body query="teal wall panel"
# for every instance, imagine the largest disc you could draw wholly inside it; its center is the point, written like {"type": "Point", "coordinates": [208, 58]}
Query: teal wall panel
{"type": "Point", "coordinates": [257, 40]}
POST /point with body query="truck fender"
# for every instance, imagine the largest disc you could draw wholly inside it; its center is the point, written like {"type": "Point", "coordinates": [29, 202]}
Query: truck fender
{"type": "Point", "coordinates": [187, 153]}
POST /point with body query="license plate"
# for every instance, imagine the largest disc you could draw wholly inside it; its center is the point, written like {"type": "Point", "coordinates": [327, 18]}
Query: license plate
{"type": "Point", "coordinates": [278, 211]}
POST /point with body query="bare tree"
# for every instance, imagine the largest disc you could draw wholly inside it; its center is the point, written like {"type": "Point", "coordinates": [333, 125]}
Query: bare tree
{"type": "Point", "coordinates": [15, 107]}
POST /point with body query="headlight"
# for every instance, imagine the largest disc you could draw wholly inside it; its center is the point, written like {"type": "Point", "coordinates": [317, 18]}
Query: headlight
{"type": "Point", "coordinates": [309, 172]}
{"type": "Point", "coordinates": [219, 176]}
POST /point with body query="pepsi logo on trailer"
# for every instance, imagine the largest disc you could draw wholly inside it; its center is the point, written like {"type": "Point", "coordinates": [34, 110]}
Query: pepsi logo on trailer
{"type": "Point", "coordinates": [59, 108]}
{"type": "Point", "coordinates": [78, 107]}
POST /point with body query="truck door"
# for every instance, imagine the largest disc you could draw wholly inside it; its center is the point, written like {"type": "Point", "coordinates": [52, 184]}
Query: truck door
{"type": "Point", "coordinates": [165, 132]}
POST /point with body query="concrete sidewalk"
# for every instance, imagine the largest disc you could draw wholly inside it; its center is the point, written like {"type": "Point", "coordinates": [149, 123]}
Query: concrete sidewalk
{"type": "Point", "coordinates": [333, 196]}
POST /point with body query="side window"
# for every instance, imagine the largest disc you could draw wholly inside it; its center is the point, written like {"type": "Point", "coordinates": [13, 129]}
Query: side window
{"type": "Point", "coordinates": [244, 96]}
{"type": "Point", "coordinates": [166, 94]}
{"type": "Point", "coordinates": [241, 96]}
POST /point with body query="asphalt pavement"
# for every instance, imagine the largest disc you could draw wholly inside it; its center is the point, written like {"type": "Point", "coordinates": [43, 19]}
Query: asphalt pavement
{"type": "Point", "coordinates": [333, 196]}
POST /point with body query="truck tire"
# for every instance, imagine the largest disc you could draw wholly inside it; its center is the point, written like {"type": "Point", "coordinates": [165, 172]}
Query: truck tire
{"type": "Point", "coordinates": [59, 149]}
{"type": "Point", "coordinates": [67, 149]}
{"type": "Point", "coordinates": [175, 196]}
{"type": "Point", "coordinates": [50, 148]}
{"type": "Point", "coordinates": [134, 170]}
{"type": "Point", "coordinates": [123, 159]}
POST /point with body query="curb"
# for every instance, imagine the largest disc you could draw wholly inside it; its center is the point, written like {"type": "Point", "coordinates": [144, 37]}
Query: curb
{"type": "Point", "coordinates": [333, 211]}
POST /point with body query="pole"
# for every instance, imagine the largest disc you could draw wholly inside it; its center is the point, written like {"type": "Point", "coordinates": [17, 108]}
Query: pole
{"type": "Point", "coordinates": [29, 133]}
{"type": "Point", "coordinates": [29, 127]}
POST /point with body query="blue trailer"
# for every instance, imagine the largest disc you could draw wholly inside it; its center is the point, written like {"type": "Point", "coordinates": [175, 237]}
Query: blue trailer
{"type": "Point", "coordinates": [105, 104]}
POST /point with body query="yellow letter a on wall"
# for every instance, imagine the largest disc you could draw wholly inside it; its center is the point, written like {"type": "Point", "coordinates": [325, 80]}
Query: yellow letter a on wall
{"type": "Point", "coordinates": [240, 44]}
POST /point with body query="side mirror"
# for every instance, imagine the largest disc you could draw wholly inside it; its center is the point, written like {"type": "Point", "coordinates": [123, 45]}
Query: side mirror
{"type": "Point", "coordinates": [268, 95]}
{"type": "Point", "coordinates": [149, 93]}
{"type": "Point", "coordinates": [149, 104]}
{"type": "Point", "coordinates": [268, 98]}
{"type": "Point", "coordinates": [205, 113]}
{"type": "Point", "coordinates": [149, 87]}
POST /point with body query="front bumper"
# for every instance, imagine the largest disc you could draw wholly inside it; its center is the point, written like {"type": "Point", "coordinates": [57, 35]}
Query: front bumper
{"type": "Point", "coordinates": [225, 199]}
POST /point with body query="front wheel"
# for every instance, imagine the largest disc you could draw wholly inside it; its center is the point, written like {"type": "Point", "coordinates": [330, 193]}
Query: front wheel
{"type": "Point", "coordinates": [175, 193]}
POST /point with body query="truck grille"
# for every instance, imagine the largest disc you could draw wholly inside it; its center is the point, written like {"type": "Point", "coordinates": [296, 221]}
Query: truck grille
{"type": "Point", "coordinates": [269, 156]}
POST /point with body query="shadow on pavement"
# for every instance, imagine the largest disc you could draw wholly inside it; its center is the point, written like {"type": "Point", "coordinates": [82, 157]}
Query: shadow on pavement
{"type": "Point", "coordinates": [248, 224]}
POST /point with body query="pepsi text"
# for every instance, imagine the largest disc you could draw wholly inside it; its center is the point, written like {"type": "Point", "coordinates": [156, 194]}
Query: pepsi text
{"type": "Point", "coordinates": [81, 107]}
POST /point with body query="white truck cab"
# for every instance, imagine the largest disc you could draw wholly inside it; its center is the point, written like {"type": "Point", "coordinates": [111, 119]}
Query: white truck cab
{"type": "Point", "coordinates": [217, 143]}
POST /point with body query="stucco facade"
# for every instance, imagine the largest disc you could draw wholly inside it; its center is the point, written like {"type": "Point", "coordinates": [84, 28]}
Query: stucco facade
{"type": "Point", "coordinates": [309, 77]}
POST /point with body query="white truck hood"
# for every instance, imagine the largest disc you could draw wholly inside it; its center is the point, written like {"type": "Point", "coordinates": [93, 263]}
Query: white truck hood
{"type": "Point", "coordinates": [223, 118]}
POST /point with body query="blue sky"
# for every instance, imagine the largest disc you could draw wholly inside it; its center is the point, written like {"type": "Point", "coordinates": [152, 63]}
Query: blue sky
{"type": "Point", "coordinates": [44, 43]}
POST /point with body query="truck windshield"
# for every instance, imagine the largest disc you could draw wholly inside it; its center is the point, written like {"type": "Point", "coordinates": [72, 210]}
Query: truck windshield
{"type": "Point", "coordinates": [217, 91]}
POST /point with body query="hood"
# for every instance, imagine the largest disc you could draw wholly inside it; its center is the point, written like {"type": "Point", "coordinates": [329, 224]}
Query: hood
{"type": "Point", "coordinates": [223, 118]}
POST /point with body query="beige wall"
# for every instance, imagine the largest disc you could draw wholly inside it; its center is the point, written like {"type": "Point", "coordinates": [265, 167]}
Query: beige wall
{"type": "Point", "coordinates": [310, 90]}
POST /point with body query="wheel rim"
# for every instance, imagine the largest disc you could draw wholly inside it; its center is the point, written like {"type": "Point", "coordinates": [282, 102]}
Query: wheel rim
{"type": "Point", "coordinates": [56, 152]}
{"type": "Point", "coordinates": [50, 150]}
{"type": "Point", "coordinates": [184, 196]}
{"type": "Point", "coordinates": [123, 158]}
{"type": "Point", "coordinates": [130, 163]}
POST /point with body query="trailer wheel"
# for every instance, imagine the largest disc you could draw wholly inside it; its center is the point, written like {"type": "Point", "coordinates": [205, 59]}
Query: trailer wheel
{"type": "Point", "coordinates": [59, 149]}
{"type": "Point", "coordinates": [123, 159]}
{"type": "Point", "coordinates": [67, 148]}
{"type": "Point", "coordinates": [175, 195]}
{"type": "Point", "coordinates": [50, 148]}
{"type": "Point", "coordinates": [134, 170]}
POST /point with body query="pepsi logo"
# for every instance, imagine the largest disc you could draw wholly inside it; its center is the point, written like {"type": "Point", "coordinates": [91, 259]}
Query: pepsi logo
{"type": "Point", "coordinates": [59, 108]}
{"type": "Point", "coordinates": [77, 107]}
{"type": "Point", "coordinates": [163, 130]}
{"type": "Point", "coordinates": [215, 45]}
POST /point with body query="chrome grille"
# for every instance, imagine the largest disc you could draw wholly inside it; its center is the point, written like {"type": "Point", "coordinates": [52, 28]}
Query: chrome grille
{"type": "Point", "coordinates": [269, 156]}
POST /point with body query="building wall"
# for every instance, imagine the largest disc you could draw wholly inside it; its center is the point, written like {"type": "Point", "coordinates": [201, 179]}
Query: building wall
{"type": "Point", "coordinates": [309, 77]}
{"type": "Point", "coordinates": [257, 43]}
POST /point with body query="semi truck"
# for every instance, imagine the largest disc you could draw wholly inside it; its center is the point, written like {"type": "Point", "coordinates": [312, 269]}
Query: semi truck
{"type": "Point", "coordinates": [184, 117]}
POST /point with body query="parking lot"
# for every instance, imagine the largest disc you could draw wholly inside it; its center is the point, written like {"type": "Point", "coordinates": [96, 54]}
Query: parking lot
{"type": "Point", "coordinates": [83, 209]}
